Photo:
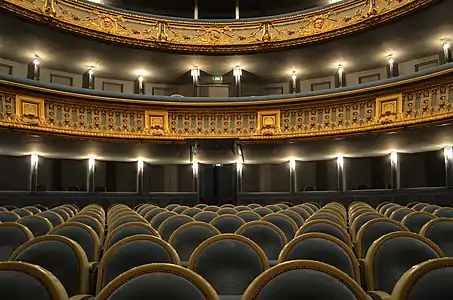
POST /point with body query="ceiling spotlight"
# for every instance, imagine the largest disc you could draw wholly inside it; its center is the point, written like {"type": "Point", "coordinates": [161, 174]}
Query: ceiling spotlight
{"type": "Point", "coordinates": [294, 75]}
{"type": "Point", "coordinates": [340, 70]}
{"type": "Point", "coordinates": [195, 72]}
{"type": "Point", "coordinates": [90, 71]}
{"type": "Point", "coordinates": [446, 45]}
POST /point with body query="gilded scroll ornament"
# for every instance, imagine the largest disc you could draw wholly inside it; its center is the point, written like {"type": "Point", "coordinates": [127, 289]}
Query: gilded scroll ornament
{"type": "Point", "coordinates": [227, 37]}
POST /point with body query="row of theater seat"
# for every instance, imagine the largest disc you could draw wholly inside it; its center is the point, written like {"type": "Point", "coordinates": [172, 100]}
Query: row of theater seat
{"type": "Point", "coordinates": [228, 250]}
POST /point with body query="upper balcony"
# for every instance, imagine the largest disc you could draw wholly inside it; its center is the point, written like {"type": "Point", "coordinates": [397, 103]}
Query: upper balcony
{"type": "Point", "coordinates": [223, 36]}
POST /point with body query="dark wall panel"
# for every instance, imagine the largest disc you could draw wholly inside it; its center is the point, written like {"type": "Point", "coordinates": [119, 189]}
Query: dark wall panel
{"type": "Point", "coordinates": [74, 173]}
{"type": "Point", "coordinates": [251, 178]}
{"type": "Point", "coordinates": [15, 173]}
{"type": "Point", "coordinates": [305, 175]}
{"type": "Point", "coordinates": [126, 176]}
{"type": "Point", "coordinates": [367, 172]}
{"type": "Point", "coordinates": [421, 169]}
{"type": "Point", "coordinates": [279, 177]}
{"type": "Point", "coordinates": [153, 178]}
{"type": "Point", "coordinates": [185, 178]}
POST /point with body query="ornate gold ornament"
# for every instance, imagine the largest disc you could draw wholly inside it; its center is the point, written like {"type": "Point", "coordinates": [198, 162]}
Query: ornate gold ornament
{"type": "Point", "coordinates": [227, 37]}
{"type": "Point", "coordinates": [415, 101]}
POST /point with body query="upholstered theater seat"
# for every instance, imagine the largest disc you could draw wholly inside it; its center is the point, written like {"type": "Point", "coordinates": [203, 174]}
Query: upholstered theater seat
{"type": "Point", "coordinates": [304, 279]}
{"type": "Point", "coordinates": [201, 205]}
{"type": "Point", "coordinates": [62, 212]}
{"type": "Point", "coordinates": [294, 216]}
{"type": "Point", "coordinates": [415, 220]}
{"type": "Point", "coordinates": [327, 227]}
{"type": "Point", "coordinates": [8, 216]}
{"type": "Point", "coordinates": [32, 209]}
{"type": "Point", "coordinates": [124, 220]}
{"type": "Point", "coordinates": [61, 256]}
{"type": "Point", "coordinates": [392, 255]}
{"type": "Point", "coordinates": [172, 206]}
{"type": "Point", "coordinates": [400, 213]}
{"type": "Point", "coordinates": [248, 216]}
{"type": "Point", "coordinates": [430, 208]}
{"type": "Point", "coordinates": [253, 205]}
{"type": "Point", "coordinates": [189, 236]}
{"type": "Point", "coordinates": [191, 211]}
{"type": "Point", "coordinates": [168, 226]}
{"type": "Point", "coordinates": [262, 211]}
{"type": "Point", "coordinates": [153, 212]}
{"type": "Point", "coordinates": [274, 208]}
{"type": "Point", "coordinates": [360, 220]}
{"type": "Point", "coordinates": [126, 230]}
{"type": "Point", "coordinates": [53, 217]}
{"type": "Point", "coordinates": [285, 223]}
{"type": "Point", "coordinates": [440, 231]}
{"type": "Point", "coordinates": [227, 223]}
{"type": "Point", "coordinates": [38, 225]}
{"type": "Point", "coordinates": [229, 262]}
{"type": "Point", "coordinates": [205, 216]}
{"type": "Point", "coordinates": [303, 213]}
{"type": "Point", "coordinates": [158, 281]}
{"type": "Point", "coordinates": [328, 217]}
{"type": "Point", "coordinates": [142, 211]}
{"type": "Point", "coordinates": [132, 252]}
{"type": "Point", "coordinates": [324, 248]}
{"type": "Point", "coordinates": [92, 222]}
{"type": "Point", "coordinates": [212, 208]}
{"type": "Point", "coordinates": [23, 281]}
{"type": "Point", "coordinates": [160, 218]}
{"type": "Point", "coordinates": [268, 236]}
{"type": "Point", "coordinates": [373, 230]}
{"type": "Point", "coordinates": [242, 208]}
{"type": "Point", "coordinates": [22, 212]}
{"type": "Point", "coordinates": [12, 236]}
{"type": "Point", "coordinates": [180, 209]}
{"type": "Point", "coordinates": [444, 212]}
{"type": "Point", "coordinates": [226, 211]}
{"type": "Point", "coordinates": [419, 206]}
{"type": "Point", "coordinates": [82, 234]}
{"type": "Point", "coordinates": [429, 280]}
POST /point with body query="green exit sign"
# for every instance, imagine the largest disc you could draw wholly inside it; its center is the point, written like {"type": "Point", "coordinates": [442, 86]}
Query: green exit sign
{"type": "Point", "coordinates": [218, 165]}
{"type": "Point", "coordinates": [217, 78]}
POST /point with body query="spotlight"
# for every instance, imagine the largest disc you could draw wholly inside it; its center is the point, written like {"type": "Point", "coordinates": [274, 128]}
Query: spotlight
{"type": "Point", "coordinates": [340, 161]}
{"type": "Point", "coordinates": [237, 72]}
{"type": "Point", "coordinates": [292, 164]}
{"type": "Point", "coordinates": [394, 157]}
{"type": "Point", "coordinates": [239, 166]}
{"type": "Point", "coordinates": [91, 163]}
{"type": "Point", "coordinates": [448, 152]}
{"type": "Point", "coordinates": [34, 158]}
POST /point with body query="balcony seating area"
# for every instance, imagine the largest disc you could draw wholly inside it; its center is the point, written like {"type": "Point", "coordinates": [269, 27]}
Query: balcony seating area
{"type": "Point", "coordinates": [250, 252]}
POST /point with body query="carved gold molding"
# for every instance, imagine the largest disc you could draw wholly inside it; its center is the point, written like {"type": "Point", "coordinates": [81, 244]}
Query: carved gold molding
{"type": "Point", "coordinates": [418, 103]}
{"type": "Point", "coordinates": [209, 36]}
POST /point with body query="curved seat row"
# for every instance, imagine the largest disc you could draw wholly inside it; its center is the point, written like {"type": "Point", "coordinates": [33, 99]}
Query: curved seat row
{"type": "Point", "coordinates": [233, 249]}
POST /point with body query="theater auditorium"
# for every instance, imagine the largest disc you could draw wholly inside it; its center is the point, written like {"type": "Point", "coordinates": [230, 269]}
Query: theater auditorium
{"type": "Point", "coordinates": [226, 150]}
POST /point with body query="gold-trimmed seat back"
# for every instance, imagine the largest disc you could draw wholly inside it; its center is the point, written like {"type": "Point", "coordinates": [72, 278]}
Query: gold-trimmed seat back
{"type": "Point", "coordinates": [229, 262]}
{"type": "Point", "coordinates": [158, 281]}
{"type": "Point", "coordinates": [393, 254]}
{"type": "Point", "coordinates": [24, 281]}
{"type": "Point", "coordinates": [304, 279]}
{"type": "Point", "coordinates": [59, 255]}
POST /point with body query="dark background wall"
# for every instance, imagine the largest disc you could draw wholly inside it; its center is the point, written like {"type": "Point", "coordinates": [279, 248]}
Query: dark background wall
{"type": "Point", "coordinates": [424, 169]}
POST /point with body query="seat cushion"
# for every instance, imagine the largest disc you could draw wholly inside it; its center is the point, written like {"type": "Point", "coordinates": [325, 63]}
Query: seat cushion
{"type": "Point", "coordinates": [16, 285]}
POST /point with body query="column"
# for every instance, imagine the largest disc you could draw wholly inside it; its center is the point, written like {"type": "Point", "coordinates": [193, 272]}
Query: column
{"type": "Point", "coordinates": [392, 67]}
{"type": "Point", "coordinates": [195, 73]}
{"type": "Point", "coordinates": [237, 73]}
{"type": "Point", "coordinates": [140, 167]}
{"type": "Point", "coordinates": [34, 160]}
{"type": "Point", "coordinates": [239, 167]}
{"type": "Point", "coordinates": [90, 174]}
{"type": "Point", "coordinates": [446, 55]}
{"type": "Point", "coordinates": [195, 9]}
{"type": "Point", "coordinates": [34, 70]}
{"type": "Point", "coordinates": [139, 85]}
{"type": "Point", "coordinates": [88, 79]}
{"type": "Point", "coordinates": [195, 177]}
{"type": "Point", "coordinates": [340, 77]}
{"type": "Point", "coordinates": [448, 158]}
{"type": "Point", "coordinates": [292, 176]}
{"type": "Point", "coordinates": [236, 9]}
{"type": "Point", "coordinates": [394, 170]}
{"type": "Point", "coordinates": [340, 174]}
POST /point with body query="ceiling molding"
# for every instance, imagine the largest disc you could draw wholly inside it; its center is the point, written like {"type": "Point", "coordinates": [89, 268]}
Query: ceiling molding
{"type": "Point", "coordinates": [235, 36]}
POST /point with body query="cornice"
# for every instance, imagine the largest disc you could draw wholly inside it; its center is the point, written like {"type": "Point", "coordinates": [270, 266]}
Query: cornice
{"type": "Point", "coordinates": [427, 100]}
{"type": "Point", "coordinates": [235, 36]}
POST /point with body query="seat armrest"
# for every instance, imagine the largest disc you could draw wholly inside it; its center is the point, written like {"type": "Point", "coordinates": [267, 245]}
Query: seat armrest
{"type": "Point", "coordinates": [379, 295]}
{"type": "Point", "coordinates": [92, 277]}
{"type": "Point", "coordinates": [82, 297]}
